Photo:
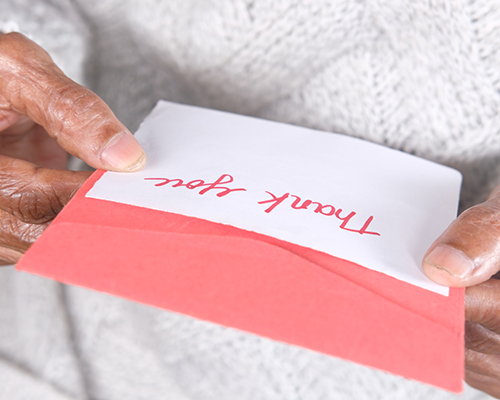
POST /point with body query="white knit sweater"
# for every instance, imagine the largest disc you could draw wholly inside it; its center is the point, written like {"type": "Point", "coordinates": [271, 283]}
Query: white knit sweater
{"type": "Point", "coordinates": [417, 75]}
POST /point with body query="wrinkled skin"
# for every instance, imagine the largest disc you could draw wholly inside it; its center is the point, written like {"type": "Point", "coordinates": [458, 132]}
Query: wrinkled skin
{"type": "Point", "coordinates": [30, 197]}
{"type": "Point", "coordinates": [475, 237]}
{"type": "Point", "coordinates": [43, 114]}
{"type": "Point", "coordinates": [482, 337]}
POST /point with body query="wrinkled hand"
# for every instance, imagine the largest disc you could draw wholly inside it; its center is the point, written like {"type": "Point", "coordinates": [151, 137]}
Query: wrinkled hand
{"type": "Point", "coordinates": [43, 114]}
{"type": "Point", "coordinates": [467, 255]}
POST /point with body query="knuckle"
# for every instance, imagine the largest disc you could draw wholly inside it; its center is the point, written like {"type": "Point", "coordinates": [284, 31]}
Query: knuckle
{"type": "Point", "coordinates": [28, 200]}
{"type": "Point", "coordinates": [12, 36]}
{"type": "Point", "coordinates": [482, 306]}
{"type": "Point", "coordinates": [9, 42]}
{"type": "Point", "coordinates": [73, 108]}
{"type": "Point", "coordinates": [36, 206]}
{"type": "Point", "coordinates": [24, 70]}
{"type": "Point", "coordinates": [481, 339]}
{"type": "Point", "coordinates": [481, 345]}
{"type": "Point", "coordinates": [72, 98]}
{"type": "Point", "coordinates": [477, 230]}
{"type": "Point", "coordinates": [485, 213]}
{"type": "Point", "coordinates": [17, 49]}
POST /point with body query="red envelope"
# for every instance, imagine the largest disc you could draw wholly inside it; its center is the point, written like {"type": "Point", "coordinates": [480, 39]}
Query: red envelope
{"type": "Point", "coordinates": [254, 283]}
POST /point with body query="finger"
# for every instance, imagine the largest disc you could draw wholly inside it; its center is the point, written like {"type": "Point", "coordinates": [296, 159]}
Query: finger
{"type": "Point", "coordinates": [482, 359]}
{"type": "Point", "coordinates": [80, 121]}
{"type": "Point", "coordinates": [16, 235]}
{"type": "Point", "coordinates": [35, 146]}
{"type": "Point", "coordinates": [482, 306]}
{"type": "Point", "coordinates": [481, 339]}
{"type": "Point", "coordinates": [9, 256]}
{"type": "Point", "coordinates": [487, 384]}
{"type": "Point", "coordinates": [12, 122]}
{"type": "Point", "coordinates": [484, 364]}
{"type": "Point", "coordinates": [36, 195]}
{"type": "Point", "coordinates": [468, 252]}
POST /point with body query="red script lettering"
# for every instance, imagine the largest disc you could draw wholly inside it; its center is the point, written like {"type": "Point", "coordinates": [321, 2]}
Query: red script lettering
{"type": "Point", "coordinates": [323, 209]}
{"type": "Point", "coordinates": [199, 183]}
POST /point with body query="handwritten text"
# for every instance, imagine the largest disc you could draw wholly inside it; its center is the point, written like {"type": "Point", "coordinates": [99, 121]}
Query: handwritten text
{"type": "Point", "coordinates": [221, 189]}
{"type": "Point", "coordinates": [199, 183]}
{"type": "Point", "coordinates": [319, 208]}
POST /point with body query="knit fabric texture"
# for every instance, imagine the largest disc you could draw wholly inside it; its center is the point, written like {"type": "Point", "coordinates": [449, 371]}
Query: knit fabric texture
{"type": "Point", "coordinates": [416, 75]}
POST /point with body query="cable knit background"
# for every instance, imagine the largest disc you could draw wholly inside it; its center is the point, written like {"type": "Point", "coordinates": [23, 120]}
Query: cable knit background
{"type": "Point", "coordinates": [420, 76]}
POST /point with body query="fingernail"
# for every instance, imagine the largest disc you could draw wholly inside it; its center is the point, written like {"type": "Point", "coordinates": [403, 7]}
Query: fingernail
{"type": "Point", "coordinates": [123, 153]}
{"type": "Point", "coordinates": [451, 260]}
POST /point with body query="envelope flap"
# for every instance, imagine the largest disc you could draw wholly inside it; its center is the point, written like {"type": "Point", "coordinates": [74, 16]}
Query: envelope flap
{"type": "Point", "coordinates": [253, 286]}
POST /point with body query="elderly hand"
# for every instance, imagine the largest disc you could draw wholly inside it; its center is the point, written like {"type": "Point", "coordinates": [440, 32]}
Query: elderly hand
{"type": "Point", "coordinates": [467, 254]}
{"type": "Point", "coordinates": [43, 114]}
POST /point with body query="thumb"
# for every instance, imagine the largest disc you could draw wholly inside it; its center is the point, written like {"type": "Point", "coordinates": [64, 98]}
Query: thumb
{"type": "Point", "coordinates": [31, 84]}
{"type": "Point", "coordinates": [468, 252]}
